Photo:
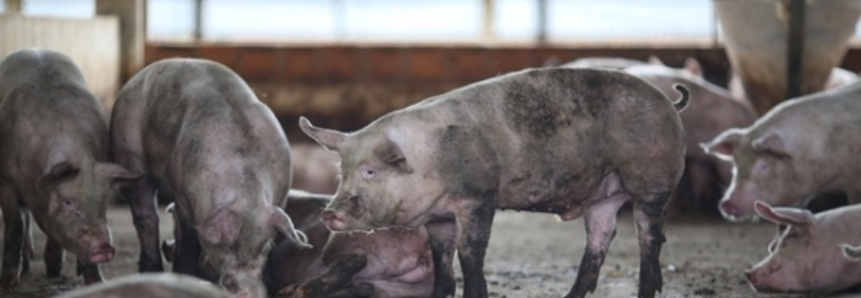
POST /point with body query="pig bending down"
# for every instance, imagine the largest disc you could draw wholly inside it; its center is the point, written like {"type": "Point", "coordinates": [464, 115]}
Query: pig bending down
{"type": "Point", "coordinates": [394, 262]}
{"type": "Point", "coordinates": [800, 148]}
{"type": "Point", "coordinates": [161, 285]}
{"type": "Point", "coordinates": [568, 141]}
{"type": "Point", "coordinates": [206, 143]}
{"type": "Point", "coordinates": [807, 256]}
{"type": "Point", "coordinates": [53, 157]}
{"type": "Point", "coordinates": [713, 112]}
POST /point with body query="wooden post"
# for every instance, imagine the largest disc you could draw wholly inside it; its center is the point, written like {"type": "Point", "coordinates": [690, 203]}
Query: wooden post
{"type": "Point", "coordinates": [487, 32]}
{"type": "Point", "coordinates": [131, 14]}
{"type": "Point", "coordinates": [14, 6]}
{"type": "Point", "coordinates": [795, 48]}
{"type": "Point", "coordinates": [542, 21]}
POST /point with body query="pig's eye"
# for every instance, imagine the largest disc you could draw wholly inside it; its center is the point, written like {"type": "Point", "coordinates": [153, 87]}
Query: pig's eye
{"type": "Point", "coordinates": [369, 173]}
{"type": "Point", "coordinates": [69, 203]}
{"type": "Point", "coordinates": [761, 167]}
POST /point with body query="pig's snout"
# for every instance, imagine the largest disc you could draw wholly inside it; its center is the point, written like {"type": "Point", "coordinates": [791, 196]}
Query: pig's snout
{"type": "Point", "coordinates": [751, 277]}
{"type": "Point", "coordinates": [103, 254]}
{"type": "Point", "coordinates": [734, 210]}
{"type": "Point", "coordinates": [334, 220]}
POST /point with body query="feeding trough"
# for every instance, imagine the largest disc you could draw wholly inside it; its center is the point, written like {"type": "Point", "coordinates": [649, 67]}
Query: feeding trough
{"type": "Point", "coordinates": [758, 41]}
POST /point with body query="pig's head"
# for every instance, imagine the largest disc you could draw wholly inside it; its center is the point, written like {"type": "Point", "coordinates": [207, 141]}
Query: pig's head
{"type": "Point", "coordinates": [236, 241]}
{"type": "Point", "coordinates": [74, 212]}
{"type": "Point", "coordinates": [763, 170]}
{"type": "Point", "coordinates": [382, 184]}
{"type": "Point", "coordinates": [806, 257]}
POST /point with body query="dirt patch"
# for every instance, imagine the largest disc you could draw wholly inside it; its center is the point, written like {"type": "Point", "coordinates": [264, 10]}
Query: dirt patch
{"type": "Point", "coordinates": [530, 255]}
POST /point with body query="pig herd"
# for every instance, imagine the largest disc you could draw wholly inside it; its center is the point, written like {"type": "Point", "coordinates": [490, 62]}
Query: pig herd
{"type": "Point", "coordinates": [416, 185]}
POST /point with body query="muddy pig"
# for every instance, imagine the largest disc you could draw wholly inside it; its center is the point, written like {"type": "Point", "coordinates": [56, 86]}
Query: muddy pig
{"type": "Point", "coordinates": [801, 147]}
{"type": "Point", "coordinates": [160, 285]}
{"type": "Point", "coordinates": [206, 143]}
{"type": "Point", "coordinates": [314, 168]}
{"type": "Point", "coordinates": [394, 262]}
{"type": "Point", "coordinates": [568, 141]}
{"type": "Point", "coordinates": [53, 163]}
{"type": "Point", "coordinates": [713, 112]}
{"type": "Point", "coordinates": [807, 256]}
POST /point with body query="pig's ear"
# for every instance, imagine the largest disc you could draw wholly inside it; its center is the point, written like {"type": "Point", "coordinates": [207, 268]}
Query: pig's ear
{"type": "Point", "coordinates": [654, 60]}
{"type": "Point", "coordinates": [221, 227]}
{"type": "Point", "coordinates": [329, 138]}
{"type": "Point", "coordinates": [724, 144]}
{"type": "Point", "coordinates": [59, 173]}
{"type": "Point", "coordinates": [693, 66]}
{"type": "Point", "coordinates": [784, 215]}
{"type": "Point", "coordinates": [118, 175]}
{"type": "Point", "coordinates": [282, 222]}
{"type": "Point", "coordinates": [391, 153]}
{"type": "Point", "coordinates": [771, 143]}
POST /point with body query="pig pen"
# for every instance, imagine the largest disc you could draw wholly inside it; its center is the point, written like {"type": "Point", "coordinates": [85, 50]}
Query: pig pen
{"type": "Point", "coordinates": [530, 255]}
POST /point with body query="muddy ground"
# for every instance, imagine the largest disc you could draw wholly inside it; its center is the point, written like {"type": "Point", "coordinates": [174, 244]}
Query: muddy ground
{"type": "Point", "coordinates": [531, 255]}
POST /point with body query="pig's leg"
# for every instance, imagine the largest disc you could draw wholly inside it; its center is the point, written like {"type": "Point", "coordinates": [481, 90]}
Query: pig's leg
{"type": "Point", "coordinates": [649, 217]}
{"type": "Point", "coordinates": [186, 258]}
{"type": "Point", "coordinates": [473, 237]}
{"type": "Point", "coordinates": [53, 258]}
{"type": "Point", "coordinates": [91, 273]}
{"type": "Point", "coordinates": [28, 244]}
{"type": "Point", "coordinates": [442, 235]}
{"type": "Point", "coordinates": [141, 198]}
{"type": "Point", "coordinates": [13, 234]}
{"type": "Point", "coordinates": [340, 273]}
{"type": "Point", "coordinates": [600, 230]}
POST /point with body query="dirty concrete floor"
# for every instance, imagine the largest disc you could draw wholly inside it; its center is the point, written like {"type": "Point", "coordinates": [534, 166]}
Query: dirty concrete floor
{"type": "Point", "coordinates": [530, 255]}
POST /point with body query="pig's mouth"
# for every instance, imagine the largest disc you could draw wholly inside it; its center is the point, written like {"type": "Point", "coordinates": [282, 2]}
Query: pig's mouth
{"type": "Point", "coordinates": [104, 254]}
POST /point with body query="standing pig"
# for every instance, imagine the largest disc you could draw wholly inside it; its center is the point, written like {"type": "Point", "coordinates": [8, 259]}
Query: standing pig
{"type": "Point", "coordinates": [394, 262]}
{"type": "Point", "coordinates": [314, 168]}
{"type": "Point", "coordinates": [206, 143]}
{"type": "Point", "coordinates": [800, 148]}
{"type": "Point", "coordinates": [807, 256]}
{"type": "Point", "coordinates": [568, 141]}
{"type": "Point", "coordinates": [838, 77]}
{"type": "Point", "coordinates": [53, 153]}
{"type": "Point", "coordinates": [714, 112]}
{"type": "Point", "coordinates": [161, 285]}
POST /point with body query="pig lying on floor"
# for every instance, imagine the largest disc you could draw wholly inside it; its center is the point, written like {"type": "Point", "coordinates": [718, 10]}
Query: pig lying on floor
{"type": "Point", "coordinates": [394, 262]}
{"type": "Point", "coordinates": [807, 256]}
{"type": "Point", "coordinates": [164, 285]}
{"type": "Point", "coordinates": [569, 141]}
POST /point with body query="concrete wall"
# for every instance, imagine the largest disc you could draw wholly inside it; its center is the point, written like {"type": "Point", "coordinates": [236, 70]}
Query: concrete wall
{"type": "Point", "coordinates": [93, 44]}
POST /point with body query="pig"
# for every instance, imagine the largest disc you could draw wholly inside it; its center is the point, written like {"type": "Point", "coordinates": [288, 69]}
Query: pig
{"type": "Point", "coordinates": [807, 256]}
{"type": "Point", "coordinates": [606, 62]}
{"type": "Point", "coordinates": [714, 112]}
{"type": "Point", "coordinates": [314, 168]}
{"type": "Point", "coordinates": [159, 285]}
{"type": "Point", "coordinates": [568, 141]}
{"type": "Point", "coordinates": [394, 262]}
{"type": "Point", "coordinates": [206, 143]}
{"type": "Point", "coordinates": [54, 164]}
{"type": "Point", "coordinates": [802, 147]}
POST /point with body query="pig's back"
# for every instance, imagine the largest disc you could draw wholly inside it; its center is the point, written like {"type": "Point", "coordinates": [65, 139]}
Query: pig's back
{"type": "Point", "coordinates": [44, 102]}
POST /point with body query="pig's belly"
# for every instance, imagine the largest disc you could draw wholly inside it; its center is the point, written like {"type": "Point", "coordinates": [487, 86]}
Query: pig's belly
{"type": "Point", "coordinates": [413, 278]}
{"type": "Point", "coordinates": [567, 200]}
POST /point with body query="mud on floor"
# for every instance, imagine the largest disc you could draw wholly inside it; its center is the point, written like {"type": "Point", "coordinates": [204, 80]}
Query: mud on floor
{"type": "Point", "coordinates": [530, 255]}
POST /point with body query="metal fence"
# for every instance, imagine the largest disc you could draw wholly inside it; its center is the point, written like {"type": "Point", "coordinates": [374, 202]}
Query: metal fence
{"type": "Point", "coordinates": [286, 21]}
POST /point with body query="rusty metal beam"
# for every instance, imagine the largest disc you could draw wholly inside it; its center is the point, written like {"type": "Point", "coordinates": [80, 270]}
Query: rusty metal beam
{"type": "Point", "coordinates": [795, 48]}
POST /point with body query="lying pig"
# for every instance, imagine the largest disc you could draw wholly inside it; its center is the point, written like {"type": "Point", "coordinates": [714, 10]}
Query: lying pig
{"type": "Point", "coordinates": [206, 143]}
{"type": "Point", "coordinates": [53, 163]}
{"type": "Point", "coordinates": [314, 168]}
{"type": "Point", "coordinates": [801, 147]}
{"type": "Point", "coordinates": [714, 112]}
{"type": "Point", "coordinates": [806, 257]}
{"type": "Point", "coordinates": [394, 262]}
{"type": "Point", "coordinates": [568, 141]}
{"type": "Point", "coordinates": [160, 285]}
